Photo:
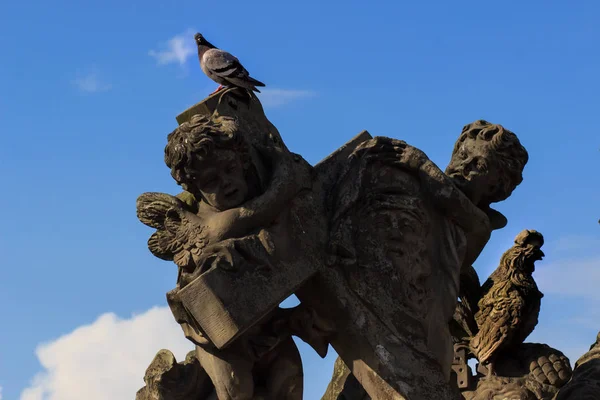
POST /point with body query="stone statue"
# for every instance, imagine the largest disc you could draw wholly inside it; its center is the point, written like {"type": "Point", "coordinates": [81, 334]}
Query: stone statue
{"type": "Point", "coordinates": [531, 371]}
{"type": "Point", "coordinates": [166, 379]}
{"type": "Point", "coordinates": [440, 223]}
{"type": "Point", "coordinates": [534, 371]}
{"type": "Point", "coordinates": [520, 370]}
{"type": "Point", "coordinates": [510, 303]}
{"type": "Point", "coordinates": [377, 243]}
{"type": "Point", "coordinates": [486, 166]}
{"type": "Point", "coordinates": [493, 325]}
{"type": "Point", "coordinates": [470, 287]}
{"type": "Point", "coordinates": [212, 161]}
{"type": "Point", "coordinates": [343, 385]}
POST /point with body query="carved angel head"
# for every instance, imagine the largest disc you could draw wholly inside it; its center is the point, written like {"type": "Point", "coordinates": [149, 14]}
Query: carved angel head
{"type": "Point", "coordinates": [487, 162]}
{"type": "Point", "coordinates": [209, 158]}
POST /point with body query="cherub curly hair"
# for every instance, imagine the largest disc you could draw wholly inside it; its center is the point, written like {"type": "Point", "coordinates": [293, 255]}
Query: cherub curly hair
{"type": "Point", "coordinates": [197, 139]}
{"type": "Point", "coordinates": [510, 154]}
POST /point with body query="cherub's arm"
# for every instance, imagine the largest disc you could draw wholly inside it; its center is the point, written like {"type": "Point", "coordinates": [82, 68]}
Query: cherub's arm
{"type": "Point", "coordinates": [289, 176]}
{"type": "Point", "coordinates": [457, 206]}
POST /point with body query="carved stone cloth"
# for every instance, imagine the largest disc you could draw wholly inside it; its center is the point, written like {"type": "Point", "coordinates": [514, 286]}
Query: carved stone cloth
{"type": "Point", "coordinates": [401, 256]}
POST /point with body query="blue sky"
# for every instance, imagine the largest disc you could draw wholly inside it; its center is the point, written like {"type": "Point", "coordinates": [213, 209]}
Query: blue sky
{"type": "Point", "coordinates": [89, 91]}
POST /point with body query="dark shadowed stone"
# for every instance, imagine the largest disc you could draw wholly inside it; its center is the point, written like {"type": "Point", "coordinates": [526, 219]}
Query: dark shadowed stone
{"type": "Point", "coordinates": [168, 380]}
{"type": "Point", "coordinates": [585, 383]}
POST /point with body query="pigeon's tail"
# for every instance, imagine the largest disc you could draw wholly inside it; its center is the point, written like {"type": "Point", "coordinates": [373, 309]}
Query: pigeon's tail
{"type": "Point", "coordinates": [254, 82]}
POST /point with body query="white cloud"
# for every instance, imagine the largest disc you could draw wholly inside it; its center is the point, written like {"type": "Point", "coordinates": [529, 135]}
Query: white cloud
{"type": "Point", "coordinates": [272, 97]}
{"type": "Point", "coordinates": [176, 50]}
{"type": "Point", "coordinates": [90, 83]}
{"type": "Point", "coordinates": [0, 392]}
{"type": "Point", "coordinates": [105, 359]}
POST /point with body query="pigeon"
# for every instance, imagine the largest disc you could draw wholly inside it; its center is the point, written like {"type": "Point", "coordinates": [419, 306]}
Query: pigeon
{"type": "Point", "coordinates": [223, 68]}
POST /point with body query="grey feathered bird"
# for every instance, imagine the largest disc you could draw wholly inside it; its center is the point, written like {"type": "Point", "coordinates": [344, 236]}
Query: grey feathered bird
{"type": "Point", "coordinates": [222, 67]}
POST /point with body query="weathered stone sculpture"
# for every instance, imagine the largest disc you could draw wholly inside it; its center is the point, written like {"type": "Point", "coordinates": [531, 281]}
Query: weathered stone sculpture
{"type": "Point", "coordinates": [506, 311]}
{"type": "Point", "coordinates": [168, 380]}
{"type": "Point", "coordinates": [215, 163]}
{"type": "Point", "coordinates": [373, 240]}
{"type": "Point", "coordinates": [402, 223]}
{"type": "Point", "coordinates": [343, 385]}
{"type": "Point", "coordinates": [510, 303]}
{"type": "Point", "coordinates": [533, 371]}
{"type": "Point", "coordinates": [479, 167]}
{"type": "Point", "coordinates": [530, 371]}
{"type": "Point", "coordinates": [521, 370]}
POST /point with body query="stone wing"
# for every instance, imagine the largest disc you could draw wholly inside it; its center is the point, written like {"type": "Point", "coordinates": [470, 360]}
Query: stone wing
{"type": "Point", "coordinates": [157, 210]}
{"type": "Point", "coordinates": [498, 320]}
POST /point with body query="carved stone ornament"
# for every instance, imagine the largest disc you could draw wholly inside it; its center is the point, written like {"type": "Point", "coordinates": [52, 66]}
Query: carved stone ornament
{"type": "Point", "coordinates": [377, 243]}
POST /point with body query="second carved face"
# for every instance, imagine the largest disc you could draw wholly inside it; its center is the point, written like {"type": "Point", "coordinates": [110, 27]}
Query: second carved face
{"type": "Point", "coordinates": [474, 168]}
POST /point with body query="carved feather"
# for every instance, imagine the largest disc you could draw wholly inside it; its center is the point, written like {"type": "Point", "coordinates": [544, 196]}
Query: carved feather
{"type": "Point", "coordinates": [509, 308]}
{"type": "Point", "coordinates": [180, 235]}
{"type": "Point", "coordinates": [152, 208]}
{"type": "Point", "coordinates": [498, 323]}
{"type": "Point", "coordinates": [163, 244]}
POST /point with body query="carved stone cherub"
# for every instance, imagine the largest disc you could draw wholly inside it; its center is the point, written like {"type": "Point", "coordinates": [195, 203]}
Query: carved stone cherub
{"type": "Point", "coordinates": [506, 172]}
{"type": "Point", "coordinates": [510, 305]}
{"type": "Point", "coordinates": [404, 230]}
{"type": "Point", "coordinates": [211, 160]}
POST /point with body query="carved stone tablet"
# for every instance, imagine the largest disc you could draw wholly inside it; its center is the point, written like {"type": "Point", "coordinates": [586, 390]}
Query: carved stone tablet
{"type": "Point", "coordinates": [227, 303]}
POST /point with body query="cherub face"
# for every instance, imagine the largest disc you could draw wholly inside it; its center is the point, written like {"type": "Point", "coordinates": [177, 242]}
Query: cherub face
{"type": "Point", "coordinates": [474, 169]}
{"type": "Point", "coordinates": [221, 180]}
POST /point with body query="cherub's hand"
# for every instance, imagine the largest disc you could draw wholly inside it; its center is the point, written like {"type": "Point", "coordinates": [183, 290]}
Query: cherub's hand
{"type": "Point", "coordinates": [222, 255]}
{"type": "Point", "coordinates": [295, 172]}
{"type": "Point", "coordinates": [553, 369]}
{"type": "Point", "coordinates": [392, 152]}
{"type": "Point", "coordinates": [224, 225]}
{"type": "Point", "coordinates": [302, 173]}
